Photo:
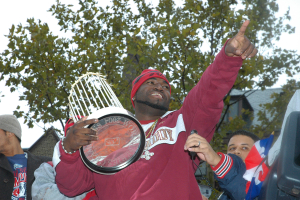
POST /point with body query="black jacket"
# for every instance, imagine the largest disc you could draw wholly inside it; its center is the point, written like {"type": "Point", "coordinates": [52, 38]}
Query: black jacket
{"type": "Point", "coordinates": [7, 176]}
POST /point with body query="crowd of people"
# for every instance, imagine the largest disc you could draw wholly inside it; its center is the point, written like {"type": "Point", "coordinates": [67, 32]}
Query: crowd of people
{"type": "Point", "coordinates": [169, 172]}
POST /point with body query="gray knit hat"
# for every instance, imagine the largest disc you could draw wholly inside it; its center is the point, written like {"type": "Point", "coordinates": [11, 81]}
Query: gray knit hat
{"type": "Point", "coordinates": [11, 124]}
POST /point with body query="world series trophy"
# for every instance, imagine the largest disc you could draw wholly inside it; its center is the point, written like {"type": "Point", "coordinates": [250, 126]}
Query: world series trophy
{"type": "Point", "coordinates": [121, 139]}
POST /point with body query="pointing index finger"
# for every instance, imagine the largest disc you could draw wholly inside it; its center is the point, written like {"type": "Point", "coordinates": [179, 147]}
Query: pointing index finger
{"type": "Point", "coordinates": [243, 28]}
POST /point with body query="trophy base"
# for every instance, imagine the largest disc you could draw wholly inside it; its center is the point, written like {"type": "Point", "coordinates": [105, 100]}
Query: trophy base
{"type": "Point", "coordinates": [121, 141]}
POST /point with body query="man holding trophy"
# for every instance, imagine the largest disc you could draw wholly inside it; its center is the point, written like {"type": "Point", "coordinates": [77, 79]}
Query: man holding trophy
{"type": "Point", "coordinates": [164, 170]}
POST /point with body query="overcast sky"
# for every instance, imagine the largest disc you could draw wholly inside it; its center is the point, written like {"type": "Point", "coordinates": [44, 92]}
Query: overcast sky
{"type": "Point", "coordinates": [18, 11]}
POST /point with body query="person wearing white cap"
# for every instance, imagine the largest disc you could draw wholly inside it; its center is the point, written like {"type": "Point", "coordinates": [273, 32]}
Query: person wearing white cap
{"type": "Point", "coordinates": [16, 166]}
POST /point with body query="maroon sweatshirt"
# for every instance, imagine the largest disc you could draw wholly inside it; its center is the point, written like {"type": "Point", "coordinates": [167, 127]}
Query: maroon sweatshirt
{"type": "Point", "coordinates": [169, 173]}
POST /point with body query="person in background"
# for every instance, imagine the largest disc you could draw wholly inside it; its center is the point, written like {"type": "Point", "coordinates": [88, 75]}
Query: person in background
{"type": "Point", "coordinates": [228, 168]}
{"type": "Point", "coordinates": [16, 166]}
{"type": "Point", "coordinates": [240, 143]}
{"type": "Point", "coordinates": [44, 186]}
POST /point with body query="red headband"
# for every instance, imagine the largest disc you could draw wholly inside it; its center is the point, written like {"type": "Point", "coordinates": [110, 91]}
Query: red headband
{"type": "Point", "coordinates": [145, 75]}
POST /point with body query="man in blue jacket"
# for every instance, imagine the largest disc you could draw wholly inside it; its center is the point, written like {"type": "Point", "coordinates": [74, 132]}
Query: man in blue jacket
{"type": "Point", "coordinates": [229, 168]}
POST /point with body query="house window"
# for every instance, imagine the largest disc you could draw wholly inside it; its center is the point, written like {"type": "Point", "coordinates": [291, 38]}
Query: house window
{"type": "Point", "coordinates": [233, 110]}
{"type": "Point", "coordinates": [239, 103]}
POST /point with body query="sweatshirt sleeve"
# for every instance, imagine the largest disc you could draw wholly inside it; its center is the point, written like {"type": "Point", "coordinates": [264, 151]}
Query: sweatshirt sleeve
{"type": "Point", "coordinates": [223, 167]}
{"type": "Point", "coordinates": [66, 165]}
{"type": "Point", "coordinates": [44, 186]}
{"type": "Point", "coordinates": [203, 105]}
{"type": "Point", "coordinates": [229, 174]}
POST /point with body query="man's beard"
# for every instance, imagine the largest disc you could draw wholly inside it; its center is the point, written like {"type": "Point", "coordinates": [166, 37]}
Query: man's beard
{"type": "Point", "coordinates": [153, 105]}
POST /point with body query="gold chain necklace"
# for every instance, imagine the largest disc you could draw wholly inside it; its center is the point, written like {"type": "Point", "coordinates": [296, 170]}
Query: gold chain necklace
{"type": "Point", "coordinates": [146, 154]}
{"type": "Point", "coordinates": [152, 128]}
